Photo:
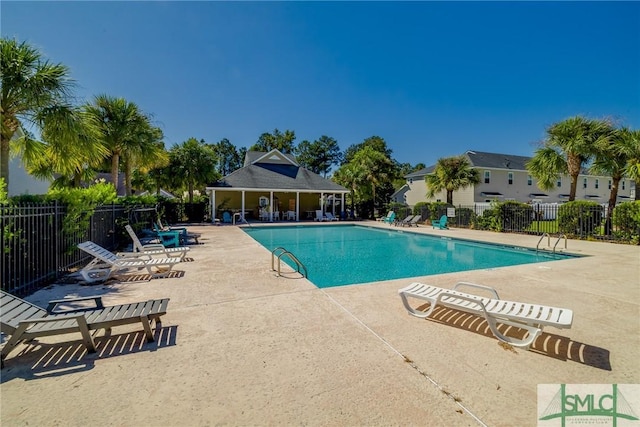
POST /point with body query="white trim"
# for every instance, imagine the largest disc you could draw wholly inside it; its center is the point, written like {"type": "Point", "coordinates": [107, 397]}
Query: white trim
{"type": "Point", "coordinates": [270, 154]}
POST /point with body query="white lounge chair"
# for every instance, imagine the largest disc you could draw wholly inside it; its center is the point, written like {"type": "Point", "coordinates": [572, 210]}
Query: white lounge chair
{"type": "Point", "coordinates": [330, 217]}
{"type": "Point", "coordinates": [530, 317]}
{"type": "Point", "coordinates": [320, 216]}
{"type": "Point", "coordinates": [106, 263]}
{"type": "Point", "coordinates": [151, 249]}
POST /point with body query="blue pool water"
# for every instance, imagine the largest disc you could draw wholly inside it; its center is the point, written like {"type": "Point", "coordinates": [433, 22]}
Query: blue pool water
{"type": "Point", "coordinates": [350, 254]}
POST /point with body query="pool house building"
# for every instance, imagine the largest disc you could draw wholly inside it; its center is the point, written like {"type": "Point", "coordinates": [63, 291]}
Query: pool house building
{"type": "Point", "coordinates": [272, 186]}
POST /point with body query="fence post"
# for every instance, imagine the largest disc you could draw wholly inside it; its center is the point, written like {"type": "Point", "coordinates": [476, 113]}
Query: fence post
{"type": "Point", "coordinates": [56, 237]}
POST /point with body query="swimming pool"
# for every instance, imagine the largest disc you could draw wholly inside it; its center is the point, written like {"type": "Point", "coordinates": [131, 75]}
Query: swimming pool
{"type": "Point", "coordinates": [337, 255]}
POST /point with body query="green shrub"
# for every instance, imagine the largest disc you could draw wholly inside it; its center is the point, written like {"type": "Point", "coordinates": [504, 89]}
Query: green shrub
{"type": "Point", "coordinates": [421, 208]}
{"type": "Point", "coordinates": [401, 209]}
{"type": "Point", "coordinates": [437, 209]}
{"type": "Point", "coordinates": [464, 217]}
{"type": "Point", "coordinates": [580, 218]}
{"type": "Point", "coordinates": [81, 204]}
{"type": "Point", "coordinates": [516, 216]}
{"type": "Point", "coordinates": [626, 218]}
{"type": "Point", "coordinates": [490, 219]}
{"type": "Point", "coordinates": [3, 192]}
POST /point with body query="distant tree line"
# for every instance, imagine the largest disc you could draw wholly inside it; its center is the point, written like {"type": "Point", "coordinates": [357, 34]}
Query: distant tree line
{"type": "Point", "coordinates": [111, 134]}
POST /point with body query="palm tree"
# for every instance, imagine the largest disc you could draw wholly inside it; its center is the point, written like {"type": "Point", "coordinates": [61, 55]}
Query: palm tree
{"type": "Point", "coordinates": [75, 159]}
{"type": "Point", "coordinates": [451, 174]}
{"type": "Point", "coordinates": [347, 176]}
{"type": "Point", "coordinates": [193, 164]}
{"type": "Point", "coordinates": [36, 92]}
{"type": "Point", "coordinates": [570, 144]}
{"type": "Point", "coordinates": [629, 144]}
{"type": "Point", "coordinates": [610, 159]}
{"type": "Point", "coordinates": [373, 168]}
{"type": "Point", "coordinates": [145, 153]}
{"type": "Point", "coordinates": [122, 128]}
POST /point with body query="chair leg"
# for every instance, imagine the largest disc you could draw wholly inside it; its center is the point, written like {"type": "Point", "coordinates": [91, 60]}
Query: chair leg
{"type": "Point", "coordinates": [86, 335]}
{"type": "Point", "coordinates": [16, 337]}
{"type": "Point", "coordinates": [146, 324]}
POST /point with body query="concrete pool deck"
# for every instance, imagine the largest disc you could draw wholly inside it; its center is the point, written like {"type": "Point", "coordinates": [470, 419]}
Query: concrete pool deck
{"type": "Point", "coordinates": [240, 346]}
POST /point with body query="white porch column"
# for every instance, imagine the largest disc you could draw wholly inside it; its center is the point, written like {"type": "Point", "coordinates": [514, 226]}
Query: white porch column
{"type": "Point", "coordinates": [271, 206]}
{"type": "Point", "coordinates": [333, 204]}
{"type": "Point", "coordinates": [297, 206]}
{"type": "Point", "coordinates": [213, 206]}
{"type": "Point", "coordinates": [342, 206]}
{"type": "Point", "coordinates": [242, 214]}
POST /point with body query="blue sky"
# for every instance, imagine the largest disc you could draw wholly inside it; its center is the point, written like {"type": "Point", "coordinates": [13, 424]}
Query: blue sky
{"type": "Point", "coordinates": [434, 79]}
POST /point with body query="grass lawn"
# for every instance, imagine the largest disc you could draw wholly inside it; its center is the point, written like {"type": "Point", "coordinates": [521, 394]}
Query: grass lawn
{"type": "Point", "coordinates": [544, 226]}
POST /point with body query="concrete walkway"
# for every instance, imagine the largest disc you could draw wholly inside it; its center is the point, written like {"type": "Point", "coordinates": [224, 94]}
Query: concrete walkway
{"type": "Point", "coordinates": [240, 346]}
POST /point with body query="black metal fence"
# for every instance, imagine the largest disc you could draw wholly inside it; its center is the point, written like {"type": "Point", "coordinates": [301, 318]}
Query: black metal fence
{"type": "Point", "coordinates": [37, 249]}
{"type": "Point", "coordinates": [575, 221]}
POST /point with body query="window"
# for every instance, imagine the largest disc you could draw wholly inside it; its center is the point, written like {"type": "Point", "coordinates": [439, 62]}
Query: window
{"type": "Point", "coordinates": [559, 183]}
{"type": "Point", "coordinates": [609, 184]}
{"type": "Point", "coordinates": [510, 177]}
{"type": "Point", "coordinates": [529, 180]}
{"type": "Point", "coordinates": [584, 182]}
{"type": "Point", "coordinates": [597, 183]}
{"type": "Point", "coordinates": [623, 185]}
{"type": "Point", "coordinates": [487, 177]}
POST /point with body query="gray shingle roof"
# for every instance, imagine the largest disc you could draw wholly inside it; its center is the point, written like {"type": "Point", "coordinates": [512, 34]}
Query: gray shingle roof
{"type": "Point", "coordinates": [266, 176]}
{"type": "Point", "coordinates": [480, 159]}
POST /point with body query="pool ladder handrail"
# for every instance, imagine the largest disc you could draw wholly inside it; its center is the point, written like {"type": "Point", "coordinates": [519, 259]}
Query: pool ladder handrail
{"type": "Point", "coordinates": [542, 237]}
{"type": "Point", "coordinates": [558, 241]}
{"type": "Point", "coordinates": [282, 252]}
{"type": "Point", "coordinates": [549, 241]}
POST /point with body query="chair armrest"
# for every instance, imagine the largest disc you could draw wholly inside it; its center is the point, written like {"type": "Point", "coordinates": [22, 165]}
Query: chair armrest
{"type": "Point", "coordinates": [51, 308]}
{"type": "Point", "coordinates": [50, 319]}
{"type": "Point", "coordinates": [153, 246]}
{"type": "Point", "coordinates": [489, 289]}
{"type": "Point", "coordinates": [133, 255]}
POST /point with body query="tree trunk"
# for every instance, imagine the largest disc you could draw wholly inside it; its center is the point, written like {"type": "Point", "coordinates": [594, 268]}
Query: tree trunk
{"type": "Point", "coordinates": [10, 126]}
{"type": "Point", "coordinates": [613, 195]}
{"type": "Point", "coordinates": [574, 163]}
{"type": "Point", "coordinates": [115, 165]}
{"type": "Point", "coordinates": [450, 197]}
{"type": "Point", "coordinates": [573, 187]}
{"type": "Point", "coordinates": [127, 178]}
{"type": "Point", "coordinates": [4, 161]}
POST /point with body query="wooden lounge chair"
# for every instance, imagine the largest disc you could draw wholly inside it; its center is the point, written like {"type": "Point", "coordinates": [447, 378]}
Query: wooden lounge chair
{"type": "Point", "coordinates": [106, 263]}
{"type": "Point", "coordinates": [530, 317]}
{"type": "Point", "coordinates": [151, 249]}
{"type": "Point", "coordinates": [415, 220]}
{"type": "Point", "coordinates": [406, 221]}
{"type": "Point", "coordinates": [24, 321]}
{"type": "Point", "coordinates": [440, 223]}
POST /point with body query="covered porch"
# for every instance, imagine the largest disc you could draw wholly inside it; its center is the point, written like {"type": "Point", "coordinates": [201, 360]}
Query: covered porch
{"type": "Point", "coordinates": [233, 205]}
